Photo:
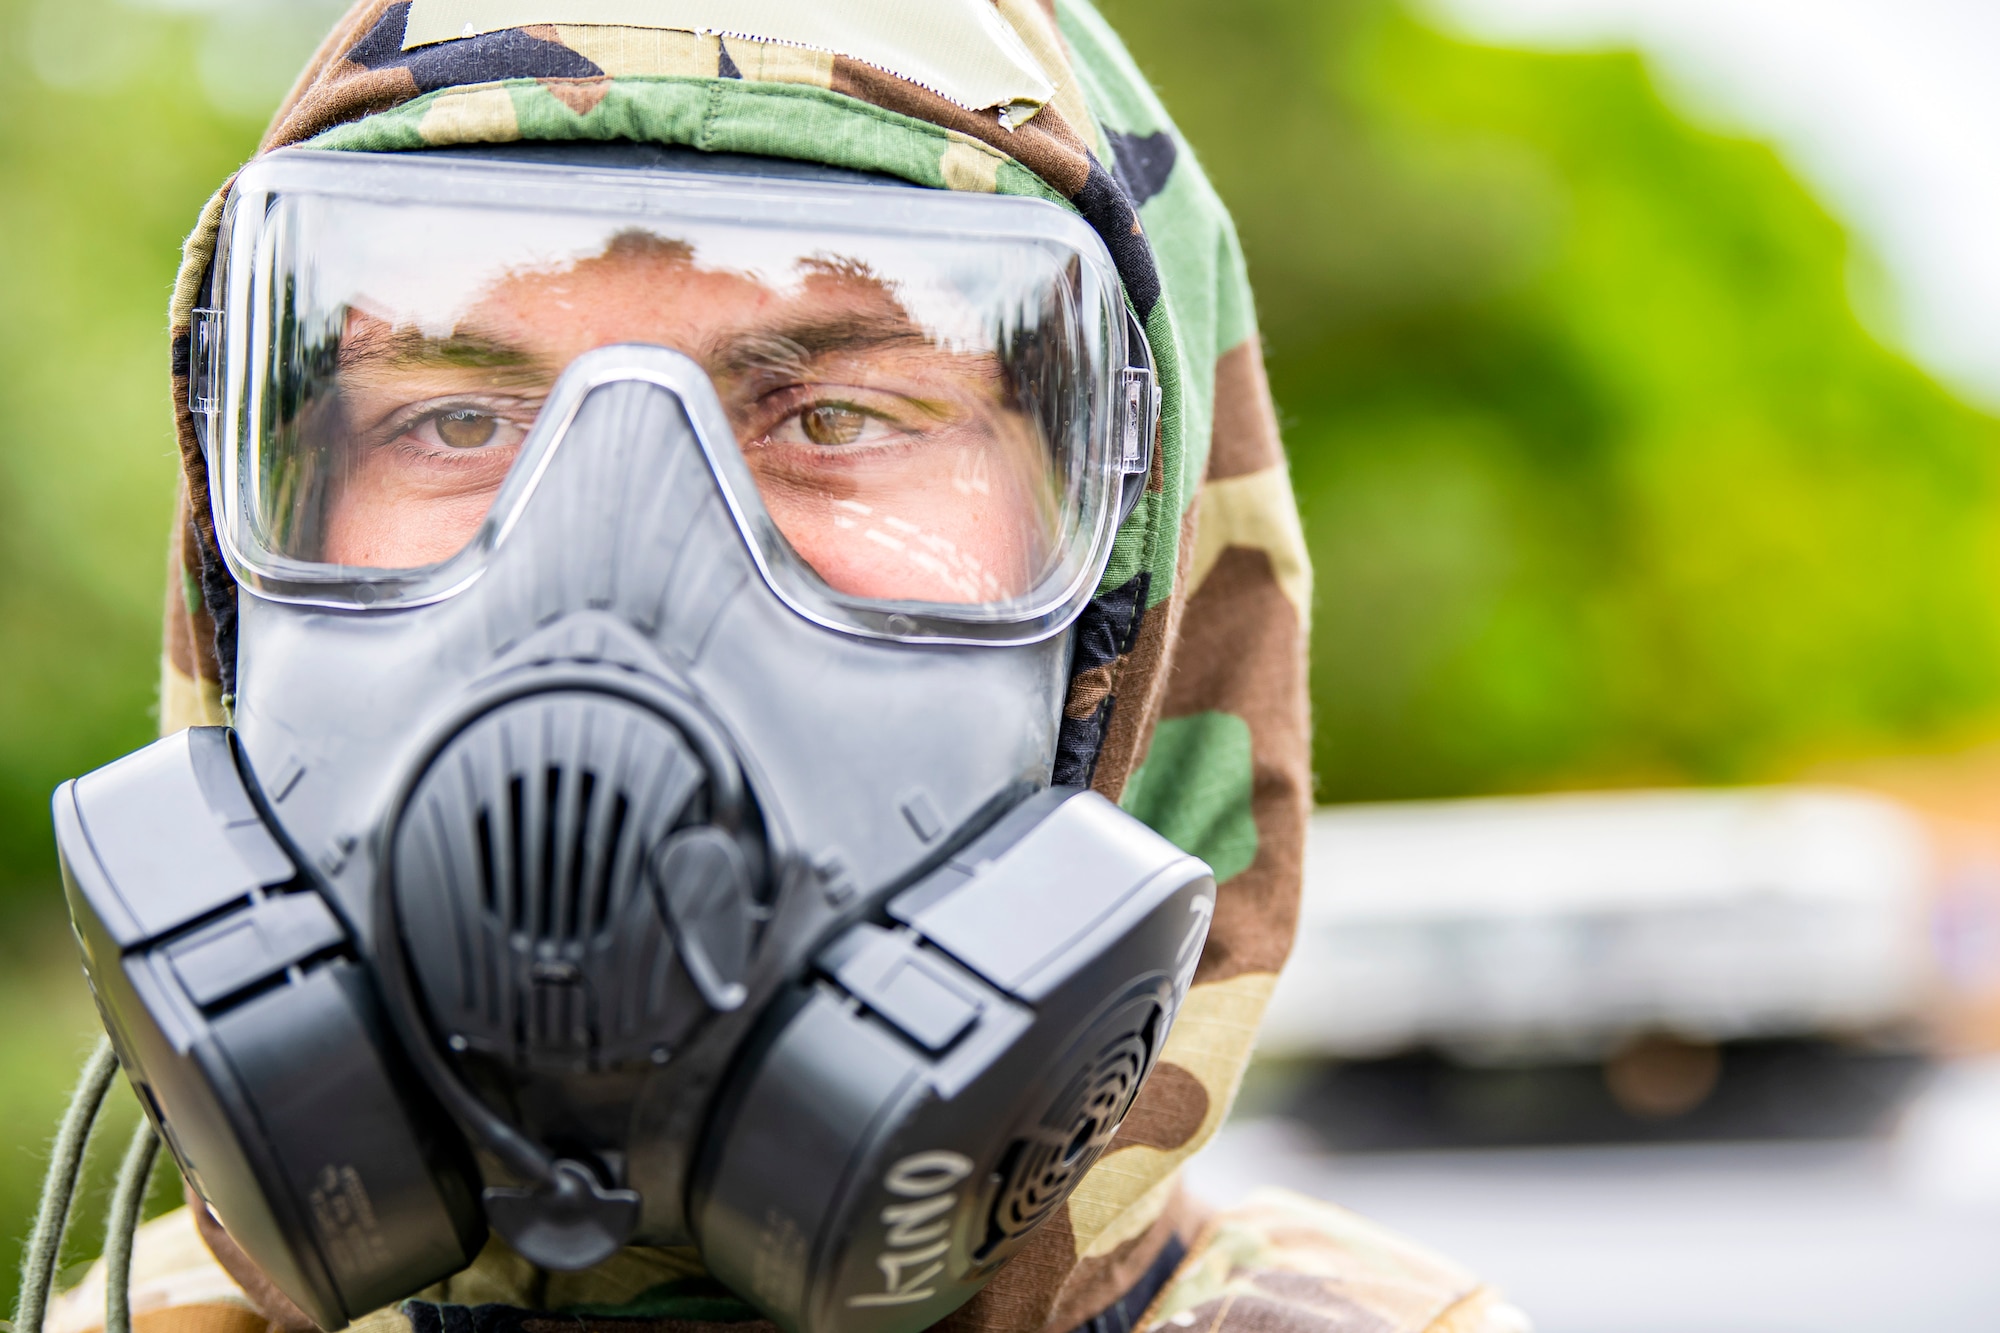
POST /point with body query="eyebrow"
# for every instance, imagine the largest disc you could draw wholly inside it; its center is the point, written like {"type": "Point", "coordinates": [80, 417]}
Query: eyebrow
{"type": "Point", "coordinates": [781, 349]}
{"type": "Point", "coordinates": [402, 349]}
{"type": "Point", "coordinates": [789, 347]}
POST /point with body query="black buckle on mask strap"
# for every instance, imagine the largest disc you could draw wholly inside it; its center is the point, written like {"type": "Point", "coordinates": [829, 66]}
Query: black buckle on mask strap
{"type": "Point", "coordinates": [568, 1221]}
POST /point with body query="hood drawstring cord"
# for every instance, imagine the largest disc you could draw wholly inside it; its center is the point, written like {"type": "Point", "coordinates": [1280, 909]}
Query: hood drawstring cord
{"type": "Point", "coordinates": [128, 1199]}
{"type": "Point", "coordinates": [38, 1269]}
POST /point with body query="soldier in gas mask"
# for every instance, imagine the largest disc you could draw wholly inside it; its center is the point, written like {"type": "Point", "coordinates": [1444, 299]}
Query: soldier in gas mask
{"type": "Point", "coordinates": [697, 515]}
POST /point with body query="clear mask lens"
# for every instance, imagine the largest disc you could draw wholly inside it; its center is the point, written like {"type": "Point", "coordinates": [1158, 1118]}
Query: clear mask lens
{"type": "Point", "coordinates": [920, 386]}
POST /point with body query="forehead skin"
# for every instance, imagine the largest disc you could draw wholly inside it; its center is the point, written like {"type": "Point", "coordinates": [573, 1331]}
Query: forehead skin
{"type": "Point", "coordinates": [648, 289]}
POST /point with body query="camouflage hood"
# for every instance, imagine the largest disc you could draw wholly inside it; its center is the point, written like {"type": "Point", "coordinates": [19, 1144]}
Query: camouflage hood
{"type": "Point", "coordinates": [1188, 698]}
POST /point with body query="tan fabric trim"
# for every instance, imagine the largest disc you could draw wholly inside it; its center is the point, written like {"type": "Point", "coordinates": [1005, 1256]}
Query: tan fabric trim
{"type": "Point", "coordinates": [391, 1319]}
{"type": "Point", "coordinates": [194, 525]}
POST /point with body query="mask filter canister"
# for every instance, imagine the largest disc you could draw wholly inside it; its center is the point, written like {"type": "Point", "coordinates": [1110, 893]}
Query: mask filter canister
{"type": "Point", "coordinates": [965, 1064]}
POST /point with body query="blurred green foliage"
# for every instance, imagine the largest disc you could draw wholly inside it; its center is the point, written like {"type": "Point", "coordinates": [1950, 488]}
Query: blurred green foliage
{"type": "Point", "coordinates": [105, 159]}
{"type": "Point", "coordinates": [116, 122]}
{"type": "Point", "coordinates": [1603, 479]}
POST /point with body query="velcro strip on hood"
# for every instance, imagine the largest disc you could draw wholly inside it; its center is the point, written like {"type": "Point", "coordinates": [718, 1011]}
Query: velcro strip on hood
{"type": "Point", "coordinates": [961, 50]}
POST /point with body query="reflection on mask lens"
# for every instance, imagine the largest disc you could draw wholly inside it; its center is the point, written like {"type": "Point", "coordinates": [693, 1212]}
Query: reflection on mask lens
{"type": "Point", "coordinates": [914, 419]}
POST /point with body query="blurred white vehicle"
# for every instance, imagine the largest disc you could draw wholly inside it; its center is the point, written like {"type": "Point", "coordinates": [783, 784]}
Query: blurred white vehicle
{"type": "Point", "coordinates": [1561, 926]}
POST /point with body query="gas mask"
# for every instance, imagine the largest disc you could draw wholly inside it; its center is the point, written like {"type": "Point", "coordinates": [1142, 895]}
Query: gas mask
{"type": "Point", "coordinates": [637, 823]}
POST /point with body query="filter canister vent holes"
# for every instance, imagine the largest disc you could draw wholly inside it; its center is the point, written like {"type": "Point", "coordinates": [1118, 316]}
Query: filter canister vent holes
{"type": "Point", "coordinates": [1044, 1164]}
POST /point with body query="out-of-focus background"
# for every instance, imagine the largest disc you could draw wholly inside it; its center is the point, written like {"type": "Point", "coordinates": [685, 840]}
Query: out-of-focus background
{"type": "Point", "coordinates": [1639, 362]}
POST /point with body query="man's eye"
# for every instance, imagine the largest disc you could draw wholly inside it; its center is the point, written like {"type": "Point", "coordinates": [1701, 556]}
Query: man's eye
{"type": "Point", "coordinates": [832, 424]}
{"type": "Point", "coordinates": [466, 428]}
